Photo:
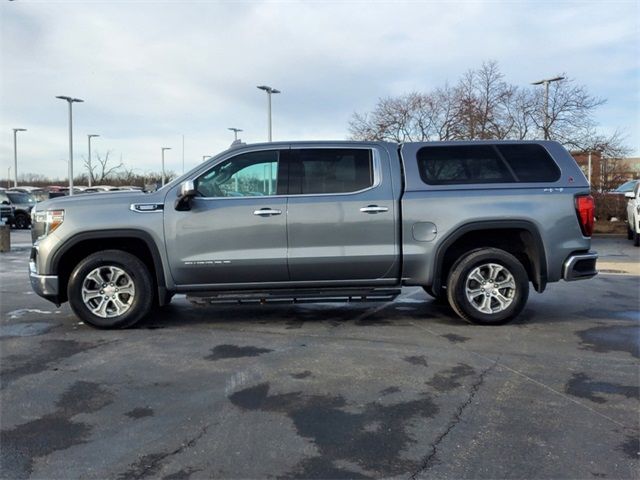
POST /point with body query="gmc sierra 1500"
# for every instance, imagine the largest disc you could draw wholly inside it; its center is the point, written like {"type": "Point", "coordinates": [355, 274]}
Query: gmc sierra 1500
{"type": "Point", "coordinates": [472, 222]}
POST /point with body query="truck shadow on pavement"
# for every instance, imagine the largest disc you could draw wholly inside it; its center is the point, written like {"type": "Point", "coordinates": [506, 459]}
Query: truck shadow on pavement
{"type": "Point", "coordinates": [294, 316]}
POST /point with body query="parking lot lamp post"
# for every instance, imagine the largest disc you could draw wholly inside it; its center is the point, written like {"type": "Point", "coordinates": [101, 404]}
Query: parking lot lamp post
{"type": "Point", "coordinates": [89, 137]}
{"type": "Point", "coordinates": [546, 83]}
{"type": "Point", "coordinates": [15, 154]}
{"type": "Point", "coordinates": [71, 101]}
{"type": "Point", "coordinates": [269, 91]}
{"type": "Point", "coordinates": [163, 176]}
{"type": "Point", "coordinates": [235, 132]}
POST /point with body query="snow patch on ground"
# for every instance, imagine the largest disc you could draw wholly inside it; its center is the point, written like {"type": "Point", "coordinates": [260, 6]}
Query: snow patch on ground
{"type": "Point", "coordinates": [23, 311]}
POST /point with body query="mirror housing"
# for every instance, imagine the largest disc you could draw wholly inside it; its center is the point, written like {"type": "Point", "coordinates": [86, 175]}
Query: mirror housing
{"type": "Point", "coordinates": [186, 192]}
{"type": "Point", "coordinates": [629, 195]}
{"type": "Point", "coordinates": [187, 189]}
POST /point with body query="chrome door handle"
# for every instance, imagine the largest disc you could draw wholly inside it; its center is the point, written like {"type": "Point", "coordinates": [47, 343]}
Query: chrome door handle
{"type": "Point", "coordinates": [373, 209]}
{"type": "Point", "coordinates": [267, 212]}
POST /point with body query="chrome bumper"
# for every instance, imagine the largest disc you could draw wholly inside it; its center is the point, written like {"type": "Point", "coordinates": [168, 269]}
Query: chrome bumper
{"type": "Point", "coordinates": [580, 266]}
{"type": "Point", "coordinates": [44, 285]}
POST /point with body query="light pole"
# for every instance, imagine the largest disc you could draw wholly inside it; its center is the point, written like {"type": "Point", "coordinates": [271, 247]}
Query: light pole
{"type": "Point", "coordinates": [269, 91]}
{"type": "Point", "coordinates": [546, 83]}
{"type": "Point", "coordinates": [235, 132]}
{"type": "Point", "coordinates": [15, 154]}
{"type": "Point", "coordinates": [89, 137]}
{"type": "Point", "coordinates": [163, 149]}
{"type": "Point", "coordinates": [70, 100]}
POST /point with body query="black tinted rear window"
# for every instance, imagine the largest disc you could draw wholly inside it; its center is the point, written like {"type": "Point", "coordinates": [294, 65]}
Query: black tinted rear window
{"type": "Point", "coordinates": [471, 164]}
{"type": "Point", "coordinates": [330, 170]}
{"type": "Point", "coordinates": [530, 162]}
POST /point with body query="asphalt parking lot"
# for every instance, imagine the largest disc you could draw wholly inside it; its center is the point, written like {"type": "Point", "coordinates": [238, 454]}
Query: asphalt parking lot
{"type": "Point", "coordinates": [401, 389]}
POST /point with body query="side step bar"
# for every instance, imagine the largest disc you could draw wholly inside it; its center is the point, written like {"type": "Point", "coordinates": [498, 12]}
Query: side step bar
{"type": "Point", "coordinates": [295, 296]}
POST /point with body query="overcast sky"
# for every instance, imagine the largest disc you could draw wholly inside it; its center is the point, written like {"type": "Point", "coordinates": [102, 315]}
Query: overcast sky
{"type": "Point", "coordinates": [152, 71]}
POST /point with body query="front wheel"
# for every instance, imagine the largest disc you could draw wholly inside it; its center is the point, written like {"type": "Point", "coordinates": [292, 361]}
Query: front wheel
{"type": "Point", "coordinates": [488, 286]}
{"type": "Point", "coordinates": [110, 289]}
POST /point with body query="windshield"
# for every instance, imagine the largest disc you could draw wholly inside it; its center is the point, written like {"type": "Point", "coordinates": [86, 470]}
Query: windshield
{"type": "Point", "coordinates": [627, 186]}
{"type": "Point", "coordinates": [20, 197]}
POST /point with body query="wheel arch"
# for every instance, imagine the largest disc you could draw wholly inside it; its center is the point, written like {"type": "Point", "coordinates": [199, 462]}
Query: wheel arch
{"type": "Point", "coordinates": [136, 242]}
{"type": "Point", "coordinates": [519, 237]}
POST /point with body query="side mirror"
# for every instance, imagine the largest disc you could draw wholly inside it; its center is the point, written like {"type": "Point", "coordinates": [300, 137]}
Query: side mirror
{"type": "Point", "coordinates": [186, 191]}
{"type": "Point", "coordinates": [630, 195]}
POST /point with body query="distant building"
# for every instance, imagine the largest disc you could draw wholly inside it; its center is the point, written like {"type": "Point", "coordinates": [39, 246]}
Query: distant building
{"type": "Point", "coordinates": [629, 169]}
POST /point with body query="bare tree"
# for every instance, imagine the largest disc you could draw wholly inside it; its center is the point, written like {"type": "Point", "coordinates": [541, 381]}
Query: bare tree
{"type": "Point", "coordinates": [570, 113]}
{"type": "Point", "coordinates": [482, 105]}
{"type": "Point", "coordinates": [103, 169]}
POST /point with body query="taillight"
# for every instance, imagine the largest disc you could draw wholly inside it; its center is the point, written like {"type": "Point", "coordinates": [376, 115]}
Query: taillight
{"type": "Point", "coordinates": [585, 208]}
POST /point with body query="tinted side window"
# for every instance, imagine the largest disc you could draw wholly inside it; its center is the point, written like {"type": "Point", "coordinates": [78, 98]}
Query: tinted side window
{"type": "Point", "coordinates": [469, 164]}
{"type": "Point", "coordinates": [462, 164]}
{"type": "Point", "coordinates": [330, 170]}
{"type": "Point", "coordinates": [247, 175]}
{"type": "Point", "coordinates": [530, 162]}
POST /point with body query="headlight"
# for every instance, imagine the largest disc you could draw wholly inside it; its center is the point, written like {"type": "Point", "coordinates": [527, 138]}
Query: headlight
{"type": "Point", "coordinates": [46, 221]}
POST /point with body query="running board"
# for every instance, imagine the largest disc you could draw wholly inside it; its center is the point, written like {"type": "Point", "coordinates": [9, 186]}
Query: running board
{"type": "Point", "coordinates": [295, 296]}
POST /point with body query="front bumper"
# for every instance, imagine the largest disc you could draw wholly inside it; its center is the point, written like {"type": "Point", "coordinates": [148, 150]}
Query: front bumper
{"type": "Point", "coordinates": [580, 266]}
{"type": "Point", "coordinates": [47, 286]}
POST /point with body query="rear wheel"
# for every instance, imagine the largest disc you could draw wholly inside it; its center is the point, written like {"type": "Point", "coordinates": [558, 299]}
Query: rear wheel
{"type": "Point", "coordinates": [488, 286]}
{"type": "Point", "coordinates": [110, 289]}
{"type": "Point", "coordinates": [629, 233]}
{"type": "Point", "coordinates": [636, 239]}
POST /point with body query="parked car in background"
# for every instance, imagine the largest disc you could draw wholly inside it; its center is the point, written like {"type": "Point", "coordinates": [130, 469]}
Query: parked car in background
{"type": "Point", "coordinates": [21, 203]}
{"type": "Point", "coordinates": [39, 194]}
{"type": "Point", "coordinates": [626, 187]}
{"type": "Point", "coordinates": [633, 214]}
{"type": "Point", "coordinates": [6, 212]}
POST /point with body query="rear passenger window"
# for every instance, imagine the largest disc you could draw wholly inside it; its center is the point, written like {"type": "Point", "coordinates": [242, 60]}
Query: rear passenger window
{"type": "Point", "coordinates": [330, 170]}
{"type": "Point", "coordinates": [472, 164]}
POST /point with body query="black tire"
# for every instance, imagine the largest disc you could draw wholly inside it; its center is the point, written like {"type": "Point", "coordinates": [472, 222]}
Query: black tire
{"type": "Point", "coordinates": [21, 221]}
{"type": "Point", "coordinates": [629, 233]}
{"type": "Point", "coordinates": [460, 278]}
{"type": "Point", "coordinates": [137, 279]}
{"type": "Point", "coordinates": [636, 239]}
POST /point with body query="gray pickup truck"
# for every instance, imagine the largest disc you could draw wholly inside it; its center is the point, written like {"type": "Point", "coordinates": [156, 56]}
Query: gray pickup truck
{"type": "Point", "coordinates": [471, 222]}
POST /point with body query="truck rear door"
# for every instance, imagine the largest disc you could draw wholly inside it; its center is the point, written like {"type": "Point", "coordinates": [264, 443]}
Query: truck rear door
{"type": "Point", "coordinates": [341, 215]}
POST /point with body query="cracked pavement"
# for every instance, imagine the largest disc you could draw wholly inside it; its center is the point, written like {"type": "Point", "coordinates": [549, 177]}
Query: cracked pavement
{"type": "Point", "coordinates": [399, 390]}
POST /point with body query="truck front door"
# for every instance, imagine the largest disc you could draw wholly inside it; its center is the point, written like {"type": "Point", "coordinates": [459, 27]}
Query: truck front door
{"type": "Point", "coordinates": [235, 230]}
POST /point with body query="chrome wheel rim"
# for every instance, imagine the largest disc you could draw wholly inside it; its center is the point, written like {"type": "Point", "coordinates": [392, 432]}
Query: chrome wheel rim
{"type": "Point", "coordinates": [108, 291]}
{"type": "Point", "coordinates": [490, 288]}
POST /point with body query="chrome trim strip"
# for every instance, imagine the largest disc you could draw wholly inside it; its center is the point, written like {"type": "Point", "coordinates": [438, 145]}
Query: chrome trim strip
{"type": "Point", "coordinates": [157, 207]}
